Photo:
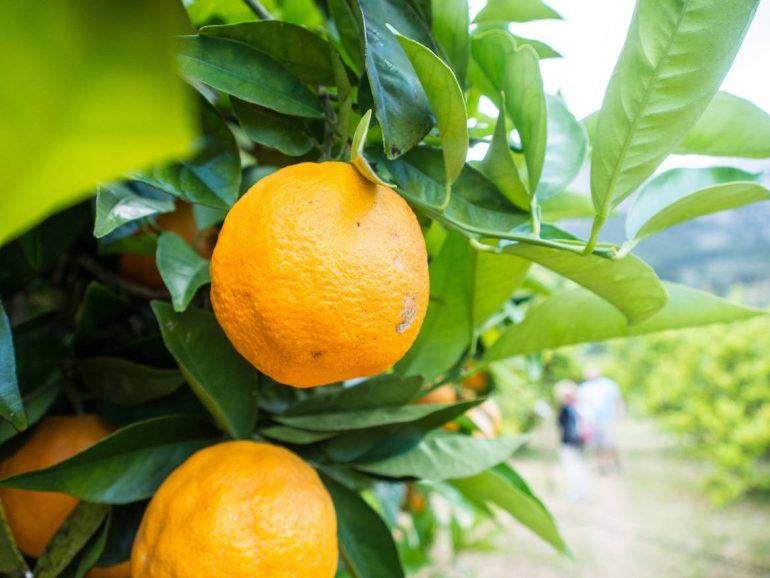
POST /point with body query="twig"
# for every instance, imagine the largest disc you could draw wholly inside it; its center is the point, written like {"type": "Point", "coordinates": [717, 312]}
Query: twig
{"type": "Point", "coordinates": [258, 9]}
{"type": "Point", "coordinates": [109, 278]}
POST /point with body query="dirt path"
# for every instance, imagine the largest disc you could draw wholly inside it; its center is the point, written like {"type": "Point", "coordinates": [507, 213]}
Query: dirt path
{"type": "Point", "coordinates": [651, 521]}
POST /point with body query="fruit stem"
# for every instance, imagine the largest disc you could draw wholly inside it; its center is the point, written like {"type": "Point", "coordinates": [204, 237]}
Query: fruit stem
{"type": "Point", "coordinates": [447, 197]}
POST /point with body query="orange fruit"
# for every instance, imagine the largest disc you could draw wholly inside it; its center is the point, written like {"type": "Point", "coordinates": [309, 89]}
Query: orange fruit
{"type": "Point", "coordinates": [238, 510]}
{"type": "Point", "coordinates": [320, 275]}
{"type": "Point", "coordinates": [416, 500]}
{"type": "Point", "coordinates": [477, 382]}
{"type": "Point", "coordinates": [122, 570]}
{"type": "Point", "coordinates": [444, 394]}
{"type": "Point", "coordinates": [34, 517]}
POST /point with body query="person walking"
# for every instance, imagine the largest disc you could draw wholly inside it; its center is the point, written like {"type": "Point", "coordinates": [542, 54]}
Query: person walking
{"type": "Point", "coordinates": [571, 447]}
{"type": "Point", "coordinates": [599, 398]}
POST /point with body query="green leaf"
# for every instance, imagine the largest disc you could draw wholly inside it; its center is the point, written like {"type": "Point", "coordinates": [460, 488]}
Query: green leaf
{"type": "Point", "coordinates": [366, 544]}
{"type": "Point", "coordinates": [224, 382]}
{"type": "Point", "coordinates": [279, 131]}
{"type": "Point", "coordinates": [59, 140]}
{"type": "Point", "coordinates": [515, 11]}
{"type": "Point", "coordinates": [37, 405]}
{"type": "Point", "coordinates": [11, 407]}
{"type": "Point", "coordinates": [730, 127]}
{"type": "Point", "coordinates": [401, 105]}
{"type": "Point", "coordinates": [515, 71]}
{"type": "Point", "coordinates": [679, 195]}
{"type": "Point", "coordinates": [566, 151]}
{"type": "Point", "coordinates": [290, 435]}
{"type": "Point", "coordinates": [543, 50]}
{"type": "Point", "coordinates": [495, 278]}
{"type": "Point", "coordinates": [70, 538]}
{"type": "Point", "coordinates": [446, 101]}
{"type": "Point", "coordinates": [499, 165]}
{"type": "Point", "coordinates": [89, 555]}
{"type": "Point", "coordinates": [182, 269]}
{"type": "Point", "coordinates": [578, 316]}
{"type": "Point", "coordinates": [212, 175]}
{"type": "Point", "coordinates": [380, 391]}
{"type": "Point", "coordinates": [125, 382]}
{"type": "Point", "coordinates": [629, 284]}
{"type": "Point", "coordinates": [676, 55]}
{"type": "Point", "coordinates": [124, 467]}
{"type": "Point", "coordinates": [357, 158]}
{"type": "Point", "coordinates": [450, 25]}
{"type": "Point", "coordinates": [442, 457]}
{"type": "Point", "coordinates": [297, 49]}
{"type": "Point", "coordinates": [348, 21]}
{"type": "Point", "coordinates": [493, 487]}
{"type": "Point", "coordinates": [567, 205]}
{"type": "Point", "coordinates": [12, 563]}
{"type": "Point", "coordinates": [117, 204]}
{"type": "Point", "coordinates": [247, 73]}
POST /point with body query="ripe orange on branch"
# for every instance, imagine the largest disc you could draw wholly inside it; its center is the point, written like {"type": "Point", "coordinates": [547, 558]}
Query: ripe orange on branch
{"type": "Point", "coordinates": [319, 275]}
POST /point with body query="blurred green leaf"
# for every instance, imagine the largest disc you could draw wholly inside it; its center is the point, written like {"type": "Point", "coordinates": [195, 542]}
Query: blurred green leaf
{"type": "Point", "coordinates": [446, 101]}
{"type": "Point", "coordinates": [12, 563]}
{"type": "Point", "coordinates": [290, 435]}
{"type": "Point", "coordinates": [543, 50]}
{"type": "Point", "coordinates": [212, 175]}
{"type": "Point", "coordinates": [59, 140]}
{"type": "Point", "coordinates": [11, 406]}
{"type": "Point", "coordinates": [117, 204]}
{"type": "Point", "coordinates": [679, 195]}
{"type": "Point", "coordinates": [730, 127]}
{"type": "Point", "coordinates": [566, 151]}
{"type": "Point", "coordinates": [70, 538]}
{"type": "Point", "coordinates": [567, 205]}
{"type": "Point", "coordinates": [515, 71]}
{"type": "Point", "coordinates": [250, 74]}
{"type": "Point", "coordinates": [446, 456]}
{"type": "Point", "coordinates": [578, 316]}
{"type": "Point", "coordinates": [182, 269]}
{"type": "Point", "coordinates": [37, 405]}
{"type": "Point", "coordinates": [401, 105]}
{"type": "Point", "coordinates": [515, 11]}
{"type": "Point", "coordinates": [675, 57]}
{"type": "Point", "coordinates": [124, 382]}
{"type": "Point", "coordinates": [449, 25]}
{"type": "Point", "coordinates": [126, 466]}
{"type": "Point", "coordinates": [284, 133]}
{"type": "Point", "coordinates": [223, 380]}
{"type": "Point", "coordinates": [297, 49]}
{"type": "Point", "coordinates": [366, 544]}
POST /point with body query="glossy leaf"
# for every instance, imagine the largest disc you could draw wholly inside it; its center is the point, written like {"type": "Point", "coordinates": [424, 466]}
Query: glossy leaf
{"type": "Point", "coordinates": [117, 204]}
{"type": "Point", "coordinates": [515, 11]}
{"type": "Point", "coordinates": [443, 457]}
{"type": "Point", "coordinates": [446, 101]}
{"type": "Point", "coordinates": [297, 49]}
{"type": "Point", "coordinates": [11, 407]}
{"type": "Point", "coordinates": [126, 466]}
{"type": "Point", "coordinates": [348, 21]}
{"type": "Point", "coordinates": [223, 380]}
{"type": "Point", "coordinates": [247, 73]}
{"type": "Point", "coordinates": [182, 269]}
{"type": "Point", "coordinates": [578, 316]}
{"type": "Point", "coordinates": [679, 195]}
{"type": "Point", "coordinates": [70, 538]}
{"type": "Point", "coordinates": [37, 405]}
{"type": "Point", "coordinates": [730, 127]}
{"type": "Point", "coordinates": [366, 544]}
{"type": "Point", "coordinates": [493, 487]}
{"type": "Point", "coordinates": [12, 563]}
{"type": "Point", "coordinates": [212, 175]}
{"type": "Point", "coordinates": [357, 158]}
{"type": "Point", "coordinates": [566, 151]}
{"type": "Point", "coordinates": [675, 57]}
{"type": "Point", "coordinates": [284, 133]}
{"type": "Point", "coordinates": [58, 140]}
{"type": "Point", "coordinates": [629, 283]}
{"type": "Point", "coordinates": [401, 105]}
{"type": "Point", "coordinates": [449, 23]}
{"type": "Point", "coordinates": [125, 382]}
{"type": "Point", "coordinates": [515, 71]}
{"type": "Point", "coordinates": [295, 436]}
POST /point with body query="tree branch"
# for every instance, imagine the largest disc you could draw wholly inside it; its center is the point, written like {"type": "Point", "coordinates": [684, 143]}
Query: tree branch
{"type": "Point", "coordinates": [258, 9]}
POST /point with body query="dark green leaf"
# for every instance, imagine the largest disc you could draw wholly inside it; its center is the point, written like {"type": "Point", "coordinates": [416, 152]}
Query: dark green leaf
{"type": "Point", "coordinates": [675, 57]}
{"type": "Point", "coordinates": [446, 456]}
{"type": "Point", "coordinates": [117, 204]}
{"type": "Point", "coordinates": [290, 435]}
{"type": "Point", "coordinates": [11, 407]}
{"type": "Point", "coordinates": [126, 466]}
{"type": "Point", "coordinates": [225, 382]}
{"type": "Point", "coordinates": [37, 405]}
{"type": "Point", "coordinates": [212, 175]}
{"type": "Point", "coordinates": [366, 545]}
{"type": "Point", "coordinates": [401, 106]}
{"type": "Point", "coordinates": [182, 269]}
{"type": "Point", "coordinates": [248, 73]}
{"type": "Point", "coordinates": [297, 49]}
{"type": "Point", "coordinates": [70, 538]}
{"type": "Point", "coordinates": [679, 195]}
{"type": "Point", "coordinates": [578, 316]}
{"type": "Point", "coordinates": [127, 383]}
{"type": "Point", "coordinates": [515, 11]}
{"type": "Point", "coordinates": [12, 563]}
{"type": "Point", "coordinates": [347, 18]}
{"type": "Point", "coordinates": [450, 28]}
{"type": "Point", "coordinates": [500, 166]}
{"type": "Point", "coordinates": [93, 549]}
{"type": "Point", "coordinates": [284, 133]}
{"type": "Point", "coordinates": [730, 127]}
{"type": "Point", "coordinates": [124, 524]}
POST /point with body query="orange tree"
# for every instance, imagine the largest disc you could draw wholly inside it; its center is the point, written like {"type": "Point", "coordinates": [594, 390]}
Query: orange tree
{"type": "Point", "coordinates": [362, 262]}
